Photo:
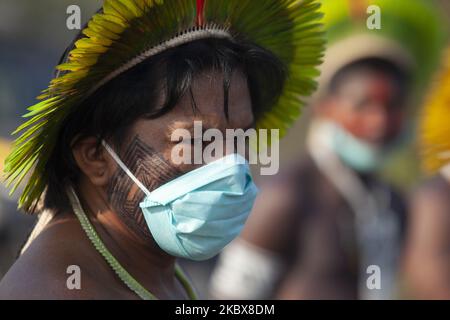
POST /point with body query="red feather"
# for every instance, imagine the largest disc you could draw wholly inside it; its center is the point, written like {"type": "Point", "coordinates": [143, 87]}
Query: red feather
{"type": "Point", "coordinates": [200, 12]}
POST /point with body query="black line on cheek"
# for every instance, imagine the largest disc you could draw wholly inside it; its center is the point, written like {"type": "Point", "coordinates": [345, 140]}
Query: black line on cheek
{"type": "Point", "coordinates": [194, 106]}
{"type": "Point", "coordinates": [151, 169]}
{"type": "Point", "coordinates": [226, 91]}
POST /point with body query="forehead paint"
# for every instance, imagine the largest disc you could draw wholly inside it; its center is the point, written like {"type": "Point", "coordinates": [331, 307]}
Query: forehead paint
{"type": "Point", "coordinates": [151, 169]}
{"type": "Point", "coordinates": [381, 90]}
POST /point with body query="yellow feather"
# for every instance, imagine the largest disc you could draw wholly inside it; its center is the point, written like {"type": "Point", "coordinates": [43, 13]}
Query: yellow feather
{"type": "Point", "coordinates": [435, 127]}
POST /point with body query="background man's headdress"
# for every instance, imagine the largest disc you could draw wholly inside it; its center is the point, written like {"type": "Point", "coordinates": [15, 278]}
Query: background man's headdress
{"type": "Point", "coordinates": [411, 36]}
{"type": "Point", "coordinates": [127, 32]}
{"type": "Point", "coordinates": [435, 126]}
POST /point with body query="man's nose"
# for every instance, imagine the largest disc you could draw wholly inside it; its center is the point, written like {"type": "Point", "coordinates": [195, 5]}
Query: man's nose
{"type": "Point", "coordinates": [379, 121]}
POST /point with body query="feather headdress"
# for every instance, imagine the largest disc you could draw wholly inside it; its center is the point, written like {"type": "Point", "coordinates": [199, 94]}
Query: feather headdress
{"type": "Point", "coordinates": [411, 35]}
{"type": "Point", "coordinates": [127, 32]}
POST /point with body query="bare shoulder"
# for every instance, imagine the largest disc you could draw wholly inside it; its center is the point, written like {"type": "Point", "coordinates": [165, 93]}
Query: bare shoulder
{"type": "Point", "coordinates": [59, 264]}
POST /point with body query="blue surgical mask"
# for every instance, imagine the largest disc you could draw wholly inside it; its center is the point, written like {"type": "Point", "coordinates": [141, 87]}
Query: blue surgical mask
{"type": "Point", "coordinates": [197, 214]}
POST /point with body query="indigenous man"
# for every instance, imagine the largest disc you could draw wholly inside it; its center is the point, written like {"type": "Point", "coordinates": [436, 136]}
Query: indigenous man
{"type": "Point", "coordinates": [117, 209]}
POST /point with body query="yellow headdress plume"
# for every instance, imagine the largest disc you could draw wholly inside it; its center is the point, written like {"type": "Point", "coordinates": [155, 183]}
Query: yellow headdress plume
{"type": "Point", "coordinates": [435, 126]}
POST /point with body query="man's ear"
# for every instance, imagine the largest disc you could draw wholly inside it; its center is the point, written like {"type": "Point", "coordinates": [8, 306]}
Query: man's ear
{"type": "Point", "coordinates": [93, 161]}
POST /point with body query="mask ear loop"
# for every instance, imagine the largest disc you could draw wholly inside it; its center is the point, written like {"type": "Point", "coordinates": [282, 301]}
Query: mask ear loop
{"type": "Point", "coordinates": [125, 168]}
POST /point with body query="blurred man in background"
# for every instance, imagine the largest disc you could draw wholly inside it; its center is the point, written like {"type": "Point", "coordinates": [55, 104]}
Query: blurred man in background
{"type": "Point", "coordinates": [328, 227]}
{"type": "Point", "coordinates": [428, 246]}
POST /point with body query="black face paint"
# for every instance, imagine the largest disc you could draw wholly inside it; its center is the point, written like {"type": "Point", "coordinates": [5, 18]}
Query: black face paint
{"type": "Point", "coordinates": [152, 170]}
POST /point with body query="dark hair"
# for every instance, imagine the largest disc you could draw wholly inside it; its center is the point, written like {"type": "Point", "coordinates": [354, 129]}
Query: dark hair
{"type": "Point", "coordinates": [374, 65]}
{"type": "Point", "coordinates": [110, 111]}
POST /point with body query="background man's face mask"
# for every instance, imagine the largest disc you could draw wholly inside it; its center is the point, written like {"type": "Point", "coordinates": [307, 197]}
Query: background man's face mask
{"type": "Point", "coordinates": [357, 154]}
{"type": "Point", "coordinates": [197, 214]}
